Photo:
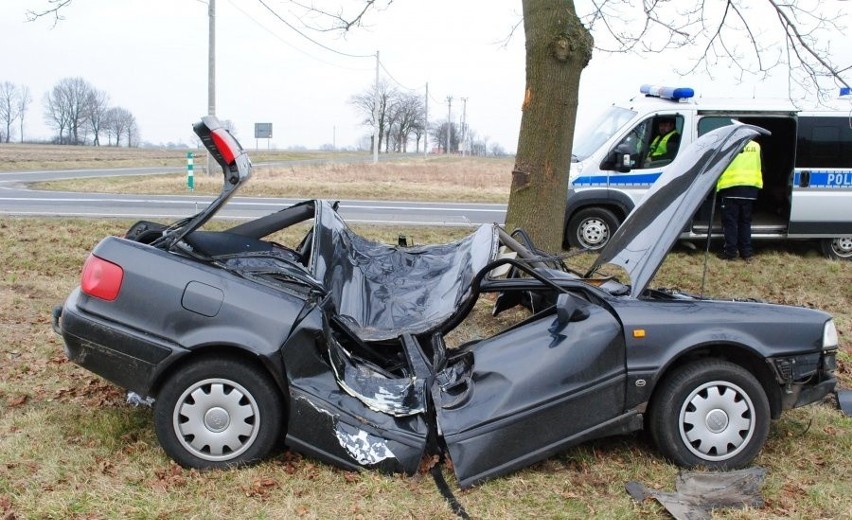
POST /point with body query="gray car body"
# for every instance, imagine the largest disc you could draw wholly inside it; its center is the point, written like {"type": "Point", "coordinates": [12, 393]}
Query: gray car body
{"type": "Point", "coordinates": [367, 386]}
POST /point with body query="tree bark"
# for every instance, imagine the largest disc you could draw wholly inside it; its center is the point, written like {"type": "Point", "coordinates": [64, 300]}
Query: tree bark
{"type": "Point", "coordinates": [558, 47]}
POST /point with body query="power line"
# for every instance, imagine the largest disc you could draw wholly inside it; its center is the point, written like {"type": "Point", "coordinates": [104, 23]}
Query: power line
{"type": "Point", "coordinates": [288, 44]}
{"type": "Point", "coordinates": [382, 65]}
{"type": "Point", "coordinates": [305, 36]}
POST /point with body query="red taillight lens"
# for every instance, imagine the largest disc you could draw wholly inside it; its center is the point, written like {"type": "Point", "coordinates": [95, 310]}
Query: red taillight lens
{"type": "Point", "coordinates": [224, 143]}
{"type": "Point", "coordinates": [101, 279]}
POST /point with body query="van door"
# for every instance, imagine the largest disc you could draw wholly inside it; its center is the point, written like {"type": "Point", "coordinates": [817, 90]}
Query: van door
{"type": "Point", "coordinates": [822, 182]}
{"type": "Point", "coordinates": [771, 212]}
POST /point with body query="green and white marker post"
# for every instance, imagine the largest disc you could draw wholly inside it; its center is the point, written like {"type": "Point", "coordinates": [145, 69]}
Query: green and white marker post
{"type": "Point", "coordinates": [190, 178]}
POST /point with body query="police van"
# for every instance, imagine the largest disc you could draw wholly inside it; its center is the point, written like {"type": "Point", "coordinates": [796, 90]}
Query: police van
{"type": "Point", "coordinates": [806, 161]}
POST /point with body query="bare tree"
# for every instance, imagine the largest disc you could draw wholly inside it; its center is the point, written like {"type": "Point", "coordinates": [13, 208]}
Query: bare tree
{"type": "Point", "coordinates": [55, 114]}
{"type": "Point", "coordinates": [132, 132]}
{"type": "Point", "coordinates": [24, 100]}
{"type": "Point", "coordinates": [119, 122]}
{"type": "Point", "coordinates": [439, 135]}
{"type": "Point", "coordinates": [96, 109]}
{"type": "Point", "coordinates": [67, 108]}
{"type": "Point", "coordinates": [8, 107]}
{"type": "Point", "coordinates": [365, 104]}
{"type": "Point", "coordinates": [407, 116]}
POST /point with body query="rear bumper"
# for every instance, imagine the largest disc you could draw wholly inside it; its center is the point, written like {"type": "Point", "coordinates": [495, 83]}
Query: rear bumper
{"type": "Point", "coordinates": [128, 358]}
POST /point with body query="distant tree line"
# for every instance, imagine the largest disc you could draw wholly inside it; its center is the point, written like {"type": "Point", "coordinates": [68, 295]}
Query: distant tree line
{"type": "Point", "coordinates": [400, 119]}
{"type": "Point", "coordinates": [78, 112]}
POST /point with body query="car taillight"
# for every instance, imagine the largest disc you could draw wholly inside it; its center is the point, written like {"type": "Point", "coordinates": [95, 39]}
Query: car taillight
{"type": "Point", "coordinates": [101, 279]}
{"type": "Point", "coordinates": [224, 143]}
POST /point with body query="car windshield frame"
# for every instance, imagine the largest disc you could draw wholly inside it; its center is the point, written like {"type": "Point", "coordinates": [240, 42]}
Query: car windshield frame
{"type": "Point", "coordinates": [601, 130]}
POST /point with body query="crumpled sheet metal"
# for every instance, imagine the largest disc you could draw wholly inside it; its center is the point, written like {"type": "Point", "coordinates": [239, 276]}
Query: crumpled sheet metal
{"type": "Point", "coordinates": [382, 291]}
{"type": "Point", "coordinates": [699, 493]}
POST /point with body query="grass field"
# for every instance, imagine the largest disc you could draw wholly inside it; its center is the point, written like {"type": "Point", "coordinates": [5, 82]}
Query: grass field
{"type": "Point", "coordinates": [71, 448]}
{"type": "Point", "coordinates": [31, 157]}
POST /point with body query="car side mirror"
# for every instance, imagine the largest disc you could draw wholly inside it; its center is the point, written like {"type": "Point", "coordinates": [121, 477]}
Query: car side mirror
{"type": "Point", "coordinates": [568, 310]}
{"type": "Point", "coordinates": [621, 158]}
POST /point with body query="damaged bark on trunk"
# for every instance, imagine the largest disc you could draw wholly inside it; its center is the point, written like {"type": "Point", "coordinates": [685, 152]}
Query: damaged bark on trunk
{"type": "Point", "coordinates": [558, 47]}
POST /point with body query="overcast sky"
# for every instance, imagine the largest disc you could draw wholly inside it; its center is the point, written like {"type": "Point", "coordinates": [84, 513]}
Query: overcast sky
{"type": "Point", "coordinates": [150, 57]}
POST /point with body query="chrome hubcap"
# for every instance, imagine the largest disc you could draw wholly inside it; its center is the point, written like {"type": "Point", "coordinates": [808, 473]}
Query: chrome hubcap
{"type": "Point", "coordinates": [216, 419]}
{"type": "Point", "coordinates": [717, 420]}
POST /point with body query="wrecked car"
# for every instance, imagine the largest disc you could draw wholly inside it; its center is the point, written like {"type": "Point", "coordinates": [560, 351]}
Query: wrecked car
{"type": "Point", "coordinates": [336, 345]}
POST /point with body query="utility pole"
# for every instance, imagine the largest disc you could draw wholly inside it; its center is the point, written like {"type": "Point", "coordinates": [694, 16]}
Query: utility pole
{"type": "Point", "coordinates": [449, 122]}
{"type": "Point", "coordinates": [211, 70]}
{"type": "Point", "coordinates": [376, 115]}
{"type": "Point", "coordinates": [425, 121]}
{"type": "Point", "coordinates": [463, 126]}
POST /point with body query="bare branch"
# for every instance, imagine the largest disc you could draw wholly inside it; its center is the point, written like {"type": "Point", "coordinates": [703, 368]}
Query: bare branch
{"type": "Point", "coordinates": [54, 11]}
{"type": "Point", "coordinates": [737, 32]}
{"type": "Point", "coordinates": [340, 21]}
{"type": "Point", "coordinates": [798, 41]}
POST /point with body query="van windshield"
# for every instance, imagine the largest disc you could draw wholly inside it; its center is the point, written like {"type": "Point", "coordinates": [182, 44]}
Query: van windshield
{"type": "Point", "coordinates": [593, 136]}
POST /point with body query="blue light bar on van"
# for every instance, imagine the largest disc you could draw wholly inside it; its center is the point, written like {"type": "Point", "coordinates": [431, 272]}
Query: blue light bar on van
{"type": "Point", "coordinates": [675, 94]}
{"type": "Point", "coordinates": [845, 91]}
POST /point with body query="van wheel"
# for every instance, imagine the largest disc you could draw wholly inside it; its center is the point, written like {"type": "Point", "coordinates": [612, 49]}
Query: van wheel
{"type": "Point", "coordinates": [839, 248]}
{"type": "Point", "coordinates": [591, 228]}
{"type": "Point", "coordinates": [217, 413]}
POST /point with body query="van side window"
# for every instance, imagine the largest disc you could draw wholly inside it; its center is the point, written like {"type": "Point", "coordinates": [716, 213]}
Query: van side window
{"type": "Point", "coordinates": [708, 123]}
{"type": "Point", "coordinates": [654, 142]}
{"type": "Point", "coordinates": [824, 142]}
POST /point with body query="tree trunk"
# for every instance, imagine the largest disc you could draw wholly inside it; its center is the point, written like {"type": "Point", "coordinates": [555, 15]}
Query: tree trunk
{"type": "Point", "coordinates": [558, 47]}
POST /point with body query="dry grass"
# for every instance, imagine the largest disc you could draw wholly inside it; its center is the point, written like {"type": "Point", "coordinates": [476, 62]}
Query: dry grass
{"type": "Point", "coordinates": [434, 179]}
{"type": "Point", "coordinates": [32, 157]}
{"type": "Point", "coordinates": [71, 448]}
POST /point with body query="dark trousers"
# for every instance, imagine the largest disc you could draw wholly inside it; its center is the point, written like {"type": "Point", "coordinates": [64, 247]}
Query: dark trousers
{"type": "Point", "coordinates": [736, 222]}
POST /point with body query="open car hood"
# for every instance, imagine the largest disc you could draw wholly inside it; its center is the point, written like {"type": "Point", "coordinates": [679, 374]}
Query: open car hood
{"type": "Point", "coordinates": [645, 237]}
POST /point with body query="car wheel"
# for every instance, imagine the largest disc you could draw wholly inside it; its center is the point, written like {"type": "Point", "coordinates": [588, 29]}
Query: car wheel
{"type": "Point", "coordinates": [710, 413]}
{"type": "Point", "coordinates": [839, 248]}
{"type": "Point", "coordinates": [591, 228]}
{"type": "Point", "coordinates": [216, 413]}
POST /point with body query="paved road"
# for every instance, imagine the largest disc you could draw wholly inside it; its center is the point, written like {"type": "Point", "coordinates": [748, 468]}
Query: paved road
{"type": "Point", "coordinates": [16, 198]}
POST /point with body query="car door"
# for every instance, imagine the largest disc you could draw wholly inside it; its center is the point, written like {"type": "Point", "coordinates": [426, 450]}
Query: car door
{"type": "Point", "coordinates": [531, 391]}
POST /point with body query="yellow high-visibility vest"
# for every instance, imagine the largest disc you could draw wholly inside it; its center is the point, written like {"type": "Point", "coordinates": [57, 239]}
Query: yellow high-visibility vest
{"type": "Point", "coordinates": [659, 146]}
{"type": "Point", "coordinates": [744, 170]}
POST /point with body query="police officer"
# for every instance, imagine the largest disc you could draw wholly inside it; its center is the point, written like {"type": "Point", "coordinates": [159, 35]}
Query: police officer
{"type": "Point", "coordinates": [738, 188]}
{"type": "Point", "coordinates": [665, 144]}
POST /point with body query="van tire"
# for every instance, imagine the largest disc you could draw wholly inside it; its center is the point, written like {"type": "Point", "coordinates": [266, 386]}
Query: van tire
{"type": "Point", "coordinates": [591, 228]}
{"type": "Point", "coordinates": [838, 248]}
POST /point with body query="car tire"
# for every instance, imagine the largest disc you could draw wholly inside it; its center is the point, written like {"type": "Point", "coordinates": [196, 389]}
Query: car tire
{"type": "Point", "coordinates": [710, 413]}
{"type": "Point", "coordinates": [591, 228]}
{"type": "Point", "coordinates": [838, 248]}
{"type": "Point", "coordinates": [217, 413]}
